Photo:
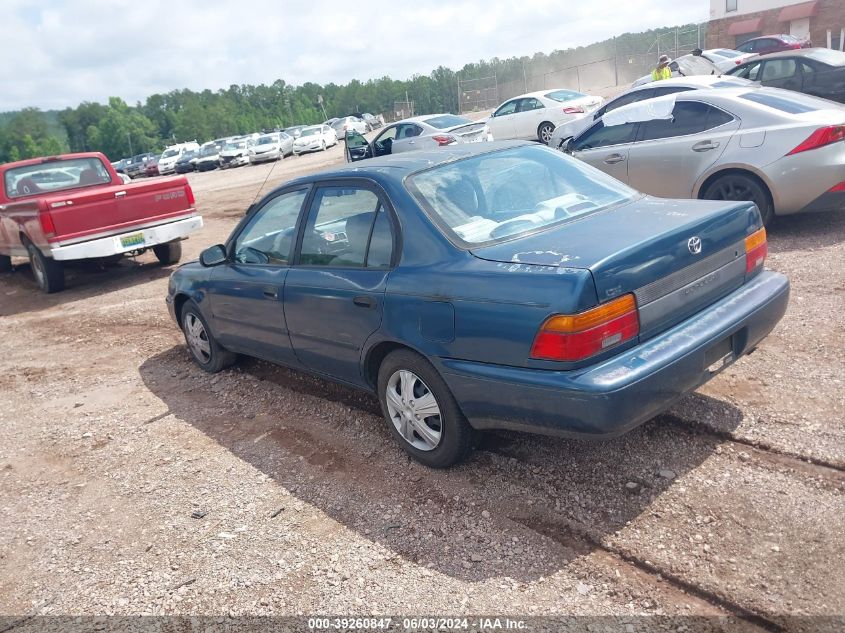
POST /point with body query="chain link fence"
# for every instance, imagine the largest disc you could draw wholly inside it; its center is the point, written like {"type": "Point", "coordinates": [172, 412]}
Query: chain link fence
{"type": "Point", "coordinates": [594, 68]}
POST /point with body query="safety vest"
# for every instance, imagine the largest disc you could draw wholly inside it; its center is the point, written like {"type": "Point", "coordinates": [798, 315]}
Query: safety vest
{"type": "Point", "coordinates": [661, 73]}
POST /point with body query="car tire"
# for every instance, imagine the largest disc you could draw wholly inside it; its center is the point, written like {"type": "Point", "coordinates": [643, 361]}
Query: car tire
{"type": "Point", "coordinates": [5, 264]}
{"type": "Point", "coordinates": [408, 371]}
{"type": "Point", "coordinates": [738, 187]}
{"type": "Point", "coordinates": [204, 348]}
{"type": "Point", "coordinates": [545, 131]}
{"type": "Point", "coordinates": [49, 274]}
{"type": "Point", "coordinates": [322, 146]}
{"type": "Point", "coordinates": [168, 253]}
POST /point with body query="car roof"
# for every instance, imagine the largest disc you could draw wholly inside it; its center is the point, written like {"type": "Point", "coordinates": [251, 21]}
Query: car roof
{"type": "Point", "coordinates": [405, 163]}
{"type": "Point", "coordinates": [798, 52]}
{"type": "Point", "coordinates": [541, 93]}
{"type": "Point", "coordinates": [423, 118]}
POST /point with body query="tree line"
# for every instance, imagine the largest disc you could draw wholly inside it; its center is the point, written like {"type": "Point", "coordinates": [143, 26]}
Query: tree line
{"type": "Point", "coordinates": [119, 130]}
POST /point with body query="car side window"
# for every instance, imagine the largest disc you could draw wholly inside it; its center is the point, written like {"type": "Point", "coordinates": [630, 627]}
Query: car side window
{"type": "Point", "coordinates": [530, 103]}
{"type": "Point", "coordinates": [774, 69]}
{"type": "Point", "coordinates": [507, 108]}
{"type": "Point", "coordinates": [268, 237]}
{"type": "Point", "coordinates": [601, 136]}
{"type": "Point", "coordinates": [751, 71]}
{"type": "Point", "coordinates": [631, 97]}
{"type": "Point", "coordinates": [807, 69]}
{"type": "Point", "coordinates": [688, 117]}
{"type": "Point", "coordinates": [670, 90]}
{"type": "Point", "coordinates": [341, 223]}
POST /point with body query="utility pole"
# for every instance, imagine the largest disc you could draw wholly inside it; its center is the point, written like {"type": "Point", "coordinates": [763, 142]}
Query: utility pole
{"type": "Point", "coordinates": [129, 138]}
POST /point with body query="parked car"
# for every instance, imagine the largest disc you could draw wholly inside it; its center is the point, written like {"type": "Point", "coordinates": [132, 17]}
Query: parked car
{"type": "Point", "coordinates": [725, 58]}
{"type": "Point", "coordinates": [421, 132]}
{"type": "Point", "coordinates": [685, 66]}
{"type": "Point", "coordinates": [209, 156]}
{"type": "Point", "coordinates": [815, 71]}
{"type": "Point", "coordinates": [169, 157]}
{"type": "Point", "coordinates": [151, 167]}
{"type": "Point", "coordinates": [75, 206]}
{"type": "Point", "coordinates": [641, 93]}
{"type": "Point", "coordinates": [773, 44]}
{"type": "Point", "coordinates": [346, 123]}
{"type": "Point", "coordinates": [136, 166]}
{"type": "Point", "coordinates": [330, 121]}
{"type": "Point", "coordinates": [598, 307]}
{"type": "Point", "coordinates": [535, 115]}
{"type": "Point", "coordinates": [235, 153]}
{"type": "Point", "coordinates": [271, 147]}
{"type": "Point", "coordinates": [120, 165]}
{"type": "Point", "coordinates": [187, 162]}
{"type": "Point", "coordinates": [783, 150]}
{"type": "Point", "coordinates": [373, 122]}
{"type": "Point", "coordinates": [314, 138]}
{"type": "Point", "coordinates": [294, 131]}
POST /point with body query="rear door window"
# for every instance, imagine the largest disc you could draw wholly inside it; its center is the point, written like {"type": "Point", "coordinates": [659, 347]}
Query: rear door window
{"type": "Point", "coordinates": [774, 69]}
{"type": "Point", "coordinates": [688, 117]}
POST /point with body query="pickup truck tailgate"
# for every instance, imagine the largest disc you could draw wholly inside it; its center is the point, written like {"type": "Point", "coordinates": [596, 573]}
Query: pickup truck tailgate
{"type": "Point", "coordinates": [86, 214]}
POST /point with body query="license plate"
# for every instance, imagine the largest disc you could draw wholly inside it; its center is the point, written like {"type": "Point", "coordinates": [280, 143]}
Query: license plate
{"type": "Point", "coordinates": [130, 241]}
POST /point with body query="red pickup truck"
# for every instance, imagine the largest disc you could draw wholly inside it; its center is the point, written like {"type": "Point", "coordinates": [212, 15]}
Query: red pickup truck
{"type": "Point", "coordinates": [75, 206]}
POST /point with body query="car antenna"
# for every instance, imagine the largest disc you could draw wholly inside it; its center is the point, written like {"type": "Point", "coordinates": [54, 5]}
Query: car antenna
{"type": "Point", "coordinates": [251, 204]}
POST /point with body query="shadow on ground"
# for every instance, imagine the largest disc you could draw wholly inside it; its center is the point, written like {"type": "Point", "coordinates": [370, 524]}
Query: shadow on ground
{"type": "Point", "coordinates": [525, 506]}
{"type": "Point", "coordinates": [84, 279]}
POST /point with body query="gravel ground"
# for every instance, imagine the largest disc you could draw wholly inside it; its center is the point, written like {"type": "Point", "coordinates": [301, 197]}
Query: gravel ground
{"type": "Point", "coordinates": [133, 483]}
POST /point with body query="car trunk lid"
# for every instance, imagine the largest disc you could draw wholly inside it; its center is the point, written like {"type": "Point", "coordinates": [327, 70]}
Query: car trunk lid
{"type": "Point", "coordinates": [676, 256]}
{"type": "Point", "coordinates": [470, 132]}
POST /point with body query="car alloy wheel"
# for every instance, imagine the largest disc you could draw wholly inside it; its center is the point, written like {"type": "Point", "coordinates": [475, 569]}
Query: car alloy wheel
{"type": "Point", "coordinates": [740, 187]}
{"type": "Point", "coordinates": [197, 338]}
{"type": "Point", "coordinates": [414, 410]}
{"type": "Point", "coordinates": [545, 132]}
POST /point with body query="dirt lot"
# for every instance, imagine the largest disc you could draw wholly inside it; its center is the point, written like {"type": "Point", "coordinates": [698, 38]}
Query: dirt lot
{"type": "Point", "coordinates": [112, 444]}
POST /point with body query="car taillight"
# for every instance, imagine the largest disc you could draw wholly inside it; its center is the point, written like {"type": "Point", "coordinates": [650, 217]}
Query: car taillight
{"type": "Point", "coordinates": [190, 193]}
{"type": "Point", "coordinates": [756, 249]}
{"type": "Point", "coordinates": [47, 224]}
{"type": "Point", "coordinates": [444, 139]}
{"type": "Point", "coordinates": [837, 188]}
{"type": "Point", "coordinates": [821, 137]}
{"type": "Point", "coordinates": [571, 337]}
{"type": "Point", "coordinates": [573, 110]}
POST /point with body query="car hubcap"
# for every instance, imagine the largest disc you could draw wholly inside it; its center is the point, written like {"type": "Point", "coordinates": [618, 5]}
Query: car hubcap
{"type": "Point", "coordinates": [414, 411]}
{"type": "Point", "coordinates": [197, 338]}
{"type": "Point", "coordinates": [546, 134]}
{"type": "Point", "coordinates": [733, 190]}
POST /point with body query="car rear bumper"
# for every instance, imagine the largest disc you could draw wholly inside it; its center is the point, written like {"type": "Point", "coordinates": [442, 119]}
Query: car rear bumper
{"type": "Point", "coordinates": [618, 394]}
{"type": "Point", "coordinates": [128, 241]}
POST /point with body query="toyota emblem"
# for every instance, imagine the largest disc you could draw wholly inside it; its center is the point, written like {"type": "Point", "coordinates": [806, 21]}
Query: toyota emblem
{"type": "Point", "coordinates": [694, 245]}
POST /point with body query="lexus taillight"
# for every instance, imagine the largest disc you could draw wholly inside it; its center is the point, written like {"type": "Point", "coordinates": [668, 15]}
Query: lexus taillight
{"type": "Point", "coordinates": [47, 224]}
{"type": "Point", "coordinates": [821, 137]}
{"type": "Point", "coordinates": [756, 249]}
{"type": "Point", "coordinates": [190, 193]}
{"type": "Point", "coordinates": [571, 337]}
{"type": "Point", "coordinates": [444, 139]}
{"type": "Point", "coordinates": [573, 110]}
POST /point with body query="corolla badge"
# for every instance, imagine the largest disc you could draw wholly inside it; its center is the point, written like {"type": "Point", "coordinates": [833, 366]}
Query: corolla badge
{"type": "Point", "coordinates": [694, 245]}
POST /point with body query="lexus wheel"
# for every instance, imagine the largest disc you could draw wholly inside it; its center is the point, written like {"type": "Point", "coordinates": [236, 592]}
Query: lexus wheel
{"type": "Point", "coordinates": [742, 187]}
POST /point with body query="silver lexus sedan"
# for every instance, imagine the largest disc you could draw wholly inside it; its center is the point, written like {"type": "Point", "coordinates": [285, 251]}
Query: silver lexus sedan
{"type": "Point", "coordinates": [784, 150]}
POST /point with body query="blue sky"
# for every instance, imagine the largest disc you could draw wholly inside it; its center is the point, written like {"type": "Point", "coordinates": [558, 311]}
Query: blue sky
{"type": "Point", "coordinates": [65, 52]}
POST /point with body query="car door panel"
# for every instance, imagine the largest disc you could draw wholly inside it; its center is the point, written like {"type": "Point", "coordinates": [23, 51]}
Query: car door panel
{"type": "Point", "coordinates": [667, 162]}
{"type": "Point", "coordinates": [502, 123]}
{"type": "Point", "coordinates": [606, 148]}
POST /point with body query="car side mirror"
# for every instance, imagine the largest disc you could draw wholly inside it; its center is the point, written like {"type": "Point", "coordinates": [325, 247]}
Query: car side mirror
{"type": "Point", "coordinates": [565, 145]}
{"type": "Point", "coordinates": [213, 256]}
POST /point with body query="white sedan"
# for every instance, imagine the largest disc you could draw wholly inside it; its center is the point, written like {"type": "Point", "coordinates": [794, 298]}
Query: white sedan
{"type": "Point", "coordinates": [314, 138]}
{"type": "Point", "coordinates": [535, 115]}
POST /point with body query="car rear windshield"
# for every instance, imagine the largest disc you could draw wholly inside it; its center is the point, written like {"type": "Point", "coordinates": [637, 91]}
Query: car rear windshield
{"type": "Point", "coordinates": [310, 131]}
{"type": "Point", "coordinates": [57, 175]}
{"type": "Point", "coordinates": [446, 120]}
{"type": "Point", "coordinates": [736, 82]}
{"type": "Point", "coordinates": [508, 193]}
{"type": "Point", "coordinates": [564, 95]}
{"type": "Point", "coordinates": [789, 104]}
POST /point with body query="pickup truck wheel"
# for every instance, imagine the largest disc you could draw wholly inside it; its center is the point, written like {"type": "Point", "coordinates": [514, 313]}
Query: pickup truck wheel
{"type": "Point", "coordinates": [204, 348]}
{"type": "Point", "coordinates": [49, 274]}
{"type": "Point", "coordinates": [169, 253]}
{"type": "Point", "coordinates": [421, 411]}
{"type": "Point", "coordinates": [5, 264]}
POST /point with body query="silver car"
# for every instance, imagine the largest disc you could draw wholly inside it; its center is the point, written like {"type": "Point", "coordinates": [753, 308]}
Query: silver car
{"type": "Point", "coordinates": [271, 146]}
{"type": "Point", "coordinates": [784, 150]}
{"type": "Point", "coordinates": [641, 93]}
{"type": "Point", "coordinates": [420, 132]}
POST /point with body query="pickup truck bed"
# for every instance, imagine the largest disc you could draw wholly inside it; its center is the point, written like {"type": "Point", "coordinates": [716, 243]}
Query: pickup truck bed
{"type": "Point", "coordinates": [76, 206]}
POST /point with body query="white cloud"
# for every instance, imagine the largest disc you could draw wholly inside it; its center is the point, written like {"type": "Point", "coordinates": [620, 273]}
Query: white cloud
{"type": "Point", "coordinates": [65, 52]}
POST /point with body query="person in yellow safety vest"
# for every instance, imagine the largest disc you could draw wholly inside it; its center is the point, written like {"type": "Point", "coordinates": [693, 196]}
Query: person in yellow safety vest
{"type": "Point", "coordinates": [662, 71]}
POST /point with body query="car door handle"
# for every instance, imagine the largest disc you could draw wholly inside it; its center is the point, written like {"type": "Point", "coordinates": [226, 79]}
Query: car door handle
{"type": "Point", "coordinates": [119, 194]}
{"type": "Point", "coordinates": [363, 301]}
{"type": "Point", "coordinates": [271, 293]}
{"type": "Point", "coordinates": [704, 146]}
{"type": "Point", "coordinates": [613, 159]}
